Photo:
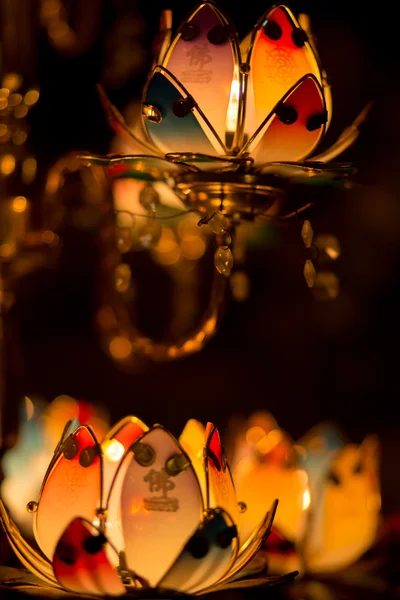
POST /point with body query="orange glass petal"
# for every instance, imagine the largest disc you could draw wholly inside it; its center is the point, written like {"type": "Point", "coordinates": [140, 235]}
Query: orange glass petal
{"type": "Point", "coordinates": [71, 488]}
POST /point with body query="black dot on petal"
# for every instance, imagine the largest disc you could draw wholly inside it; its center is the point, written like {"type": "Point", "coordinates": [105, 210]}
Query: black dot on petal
{"type": "Point", "coordinates": [198, 546]}
{"type": "Point", "coordinates": [87, 456]}
{"type": "Point", "coordinates": [224, 539]}
{"type": "Point", "coordinates": [189, 32]}
{"type": "Point", "coordinates": [217, 35]}
{"type": "Point", "coordinates": [67, 554]}
{"type": "Point", "coordinates": [182, 106]}
{"type": "Point", "coordinates": [70, 448]}
{"type": "Point", "coordinates": [316, 121]}
{"type": "Point", "coordinates": [94, 544]}
{"type": "Point", "coordinates": [273, 30]}
{"type": "Point", "coordinates": [299, 37]}
{"type": "Point", "coordinates": [287, 114]}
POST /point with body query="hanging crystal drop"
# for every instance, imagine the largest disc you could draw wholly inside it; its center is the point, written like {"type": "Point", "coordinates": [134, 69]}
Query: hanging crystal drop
{"type": "Point", "coordinates": [223, 260]}
{"type": "Point", "coordinates": [307, 233]}
{"type": "Point", "coordinates": [309, 273]}
{"type": "Point", "coordinates": [218, 222]}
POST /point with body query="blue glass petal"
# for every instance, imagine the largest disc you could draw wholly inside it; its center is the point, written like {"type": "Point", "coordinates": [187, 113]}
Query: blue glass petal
{"type": "Point", "coordinates": [188, 132]}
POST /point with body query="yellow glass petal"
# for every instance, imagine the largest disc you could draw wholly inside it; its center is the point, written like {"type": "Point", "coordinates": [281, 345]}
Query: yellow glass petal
{"type": "Point", "coordinates": [192, 440]}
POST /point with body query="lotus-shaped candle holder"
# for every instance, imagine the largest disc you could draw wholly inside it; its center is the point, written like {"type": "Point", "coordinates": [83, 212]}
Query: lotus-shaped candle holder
{"type": "Point", "coordinates": [142, 510]}
{"type": "Point", "coordinates": [229, 124]}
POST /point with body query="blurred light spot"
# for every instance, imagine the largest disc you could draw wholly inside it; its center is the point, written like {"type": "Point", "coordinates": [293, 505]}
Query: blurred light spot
{"type": "Point", "coordinates": [167, 251]}
{"type": "Point", "coordinates": [19, 204]}
{"type": "Point", "coordinates": [306, 499]}
{"type": "Point", "coordinates": [20, 111]}
{"type": "Point", "coordinates": [12, 81]}
{"type": "Point", "coordinates": [106, 318]}
{"type": "Point", "coordinates": [269, 441]}
{"type": "Point", "coordinates": [14, 99]}
{"type": "Point", "coordinates": [29, 167]}
{"type": "Point", "coordinates": [254, 434]}
{"type": "Point", "coordinates": [240, 286]}
{"type": "Point", "coordinates": [327, 286]}
{"type": "Point", "coordinates": [120, 347]}
{"type": "Point", "coordinates": [7, 164]}
{"type": "Point", "coordinates": [19, 137]}
{"type": "Point", "coordinates": [7, 250]}
{"type": "Point", "coordinates": [302, 475]}
{"type": "Point", "coordinates": [193, 248]}
{"type": "Point", "coordinates": [29, 408]}
{"type": "Point", "coordinates": [3, 102]}
{"type": "Point", "coordinates": [49, 237]}
{"type": "Point", "coordinates": [4, 92]}
{"type": "Point", "coordinates": [329, 244]}
{"type": "Point", "coordinates": [31, 97]}
{"type": "Point", "coordinates": [123, 277]}
{"type": "Point", "coordinates": [113, 450]}
{"type": "Point", "coordinates": [3, 129]}
{"type": "Point", "coordinates": [210, 325]}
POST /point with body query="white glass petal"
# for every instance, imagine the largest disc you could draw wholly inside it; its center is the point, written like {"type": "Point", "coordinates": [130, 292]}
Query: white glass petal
{"type": "Point", "coordinates": [206, 557]}
{"type": "Point", "coordinates": [203, 57]}
{"type": "Point", "coordinates": [159, 510]}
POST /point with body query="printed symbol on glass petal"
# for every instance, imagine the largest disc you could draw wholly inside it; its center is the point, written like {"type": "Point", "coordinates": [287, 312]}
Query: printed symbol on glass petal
{"type": "Point", "coordinates": [280, 66]}
{"type": "Point", "coordinates": [199, 55]}
{"type": "Point", "coordinates": [160, 481]}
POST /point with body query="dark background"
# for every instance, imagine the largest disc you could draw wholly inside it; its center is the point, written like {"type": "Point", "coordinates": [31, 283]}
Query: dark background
{"type": "Point", "coordinates": [282, 350]}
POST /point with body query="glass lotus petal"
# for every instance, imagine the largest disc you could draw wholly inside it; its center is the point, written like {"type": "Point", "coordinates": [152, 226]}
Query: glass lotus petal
{"type": "Point", "coordinates": [228, 124]}
{"type": "Point", "coordinates": [328, 489]}
{"type": "Point", "coordinates": [345, 493]}
{"type": "Point", "coordinates": [142, 510]}
{"type": "Point", "coordinates": [264, 459]}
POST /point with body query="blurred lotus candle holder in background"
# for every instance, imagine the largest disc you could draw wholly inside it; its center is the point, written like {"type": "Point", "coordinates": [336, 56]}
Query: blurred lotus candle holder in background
{"type": "Point", "coordinates": [328, 489]}
{"type": "Point", "coordinates": [142, 510]}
